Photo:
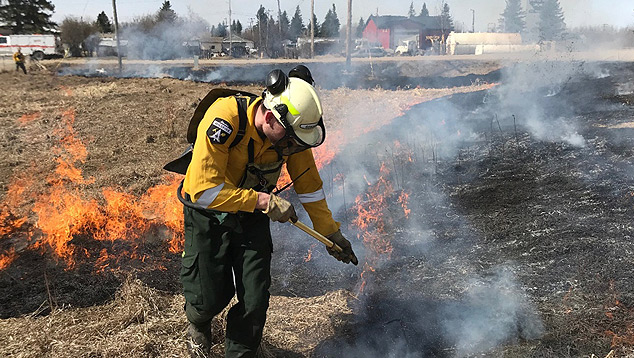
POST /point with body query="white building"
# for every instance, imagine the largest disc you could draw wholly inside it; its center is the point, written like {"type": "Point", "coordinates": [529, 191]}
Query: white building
{"type": "Point", "coordinates": [486, 43]}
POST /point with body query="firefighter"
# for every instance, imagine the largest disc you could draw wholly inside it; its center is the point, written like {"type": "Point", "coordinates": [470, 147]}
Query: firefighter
{"type": "Point", "coordinates": [18, 57]}
{"type": "Point", "coordinates": [233, 169]}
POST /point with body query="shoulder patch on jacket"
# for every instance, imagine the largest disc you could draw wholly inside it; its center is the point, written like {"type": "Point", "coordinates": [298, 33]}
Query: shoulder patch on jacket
{"type": "Point", "coordinates": [219, 131]}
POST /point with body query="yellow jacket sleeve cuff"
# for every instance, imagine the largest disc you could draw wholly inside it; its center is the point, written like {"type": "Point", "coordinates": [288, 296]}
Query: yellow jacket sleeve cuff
{"type": "Point", "coordinates": [321, 217]}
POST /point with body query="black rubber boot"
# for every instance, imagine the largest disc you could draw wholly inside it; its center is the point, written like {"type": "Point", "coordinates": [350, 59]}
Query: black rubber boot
{"type": "Point", "coordinates": [199, 340]}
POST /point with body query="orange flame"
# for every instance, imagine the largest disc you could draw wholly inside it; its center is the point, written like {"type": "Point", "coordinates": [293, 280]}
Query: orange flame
{"type": "Point", "coordinates": [366, 268]}
{"type": "Point", "coordinates": [403, 199]}
{"type": "Point", "coordinates": [9, 222]}
{"type": "Point", "coordinates": [375, 214]}
{"type": "Point", "coordinates": [160, 202]}
{"type": "Point", "coordinates": [64, 213]}
{"type": "Point", "coordinates": [7, 258]}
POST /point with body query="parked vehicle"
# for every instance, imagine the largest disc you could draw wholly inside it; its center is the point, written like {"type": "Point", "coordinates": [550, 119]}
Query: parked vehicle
{"type": "Point", "coordinates": [369, 52]}
{"type": "Point", "coordinates": [36, 46]}
{"type": "Point", "coordinates": [408, 47]}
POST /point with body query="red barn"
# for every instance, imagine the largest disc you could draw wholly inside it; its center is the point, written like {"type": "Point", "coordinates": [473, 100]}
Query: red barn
{"type": "Point", "coordinates": [390, 30]}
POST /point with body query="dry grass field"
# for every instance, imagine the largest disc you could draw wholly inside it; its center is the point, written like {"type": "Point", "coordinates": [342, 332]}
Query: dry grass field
{"type": "Point", "coordinates": [84, 275]}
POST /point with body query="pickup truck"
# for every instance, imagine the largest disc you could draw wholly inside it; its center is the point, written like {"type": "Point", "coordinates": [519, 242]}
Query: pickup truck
{"type": "Point", "coordinates": [406, 48]}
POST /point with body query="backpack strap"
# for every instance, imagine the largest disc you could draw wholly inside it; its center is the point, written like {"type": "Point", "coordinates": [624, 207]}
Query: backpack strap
{"type": "Point", "coordinates": [242, 116]}
{"type": "Point", "coordinates": [251, 151]}
{"type": "Point", "coordinates": [206, 102]}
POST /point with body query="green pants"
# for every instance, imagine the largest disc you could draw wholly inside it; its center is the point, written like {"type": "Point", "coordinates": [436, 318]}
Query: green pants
{"type": "Point", "coordinates": [226, 255]}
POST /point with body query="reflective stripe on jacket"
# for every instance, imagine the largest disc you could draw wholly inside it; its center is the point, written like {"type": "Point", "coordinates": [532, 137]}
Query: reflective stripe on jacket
{"type": "Point", "coordinates": [216, 170]}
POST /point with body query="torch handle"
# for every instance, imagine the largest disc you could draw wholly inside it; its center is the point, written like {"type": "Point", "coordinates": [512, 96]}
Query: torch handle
{"type": "Point", "coordinates": [324, 240]}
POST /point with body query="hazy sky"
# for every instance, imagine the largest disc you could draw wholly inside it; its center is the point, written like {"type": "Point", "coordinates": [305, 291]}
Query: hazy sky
{"type": "Point", "coordinates": [619, 13]}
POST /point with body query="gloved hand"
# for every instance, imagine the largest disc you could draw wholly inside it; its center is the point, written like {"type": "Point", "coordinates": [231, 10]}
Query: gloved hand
{"type": "Point", "coordinates": [280, 210]}
{"type": "Point", "coordinates": [347, 255]}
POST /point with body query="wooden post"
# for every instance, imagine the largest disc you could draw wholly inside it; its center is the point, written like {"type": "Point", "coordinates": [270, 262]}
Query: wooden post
{"type": "Point", "coordinates": [230, 37]}
{"type": "Point", "coordinates": [279, 16]}
{"type": "Point", "coordinates": [116, 33]}
{"type": "Point", "coordinates": [312, 28]}
{"type": "Point", "coordinates": [349, 35]}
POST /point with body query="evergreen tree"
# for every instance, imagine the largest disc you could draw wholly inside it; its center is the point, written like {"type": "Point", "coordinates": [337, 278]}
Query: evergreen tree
{"type": "Point", "coordinates": [236, 27]}
{"type": "Point", "coordinates": [317, 27]}
{"type": "Point", "coordinates": [331, 25]}
{"type": "Point", "coordinates": [297, 27]}
{"type": "Point", "coordinates": [424, 11]}
{"type": "Point", "coordinates": [513, 17]}
{"type": "Point", "coordinates": [274, 39]}
{"type": "Point", "coordinates": [284, 25]}
{"type": "Point", "coordinates": [221, 30]}
{"type": "Point", "coordinates": [103, 23]}
{"type": "Point", "coordinates": [166, 14]}
{"type": "Point", "coordinates": [446, 22]}
{"type": "Point", "coordinates": [262, 28]}
{"type": "Point", "coordinates": [360, 28]}
{"type": "Point", "coordinates": [27, 16]}
{"type": "Point", "coordinates": [262, 18]}
{"type": "Point", "coordinates": [551, 21]}
{"type": "Point", "coordinates": [411, 12]}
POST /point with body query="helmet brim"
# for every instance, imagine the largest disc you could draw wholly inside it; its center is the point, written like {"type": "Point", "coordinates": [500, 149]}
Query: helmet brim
{"type": "Point", "coordinates": [312, 137]}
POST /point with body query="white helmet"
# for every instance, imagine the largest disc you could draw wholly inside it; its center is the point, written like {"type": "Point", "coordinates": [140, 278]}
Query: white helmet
{"type": "Point", "coordinates": [296, 105]}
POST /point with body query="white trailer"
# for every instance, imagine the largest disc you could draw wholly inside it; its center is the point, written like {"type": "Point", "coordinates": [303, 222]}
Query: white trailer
{"type": "Point", "coordinates": [36, 46]}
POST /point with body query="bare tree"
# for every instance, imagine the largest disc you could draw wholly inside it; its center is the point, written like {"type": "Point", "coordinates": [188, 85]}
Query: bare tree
{"type": "Point", "coordinates": [82, 37]}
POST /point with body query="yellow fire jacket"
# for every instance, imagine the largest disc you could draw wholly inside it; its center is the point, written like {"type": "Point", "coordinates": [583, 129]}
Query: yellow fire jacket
{"type": "Point", "coordinates": [216, 170]}
{"type": "Point", "coordinates": [18, 57]}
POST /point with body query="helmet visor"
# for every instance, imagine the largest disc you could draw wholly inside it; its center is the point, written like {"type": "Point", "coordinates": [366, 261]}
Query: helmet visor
{"type": "Point", "coordinates": [291, 143]}
{"type": "Point", "coordinates": [289, 146]}
{"type": "Point", "coordinates": [308, 135]}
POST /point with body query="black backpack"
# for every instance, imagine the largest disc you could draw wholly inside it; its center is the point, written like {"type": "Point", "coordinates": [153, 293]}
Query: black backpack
{"type": "Point", "coordinates": [180, 164]}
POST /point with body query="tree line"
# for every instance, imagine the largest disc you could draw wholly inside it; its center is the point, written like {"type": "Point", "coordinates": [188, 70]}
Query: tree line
{"type": "Point", "coordinates": [550, 26]}
{"type": "Point", "coordinates": [269, 27]}
{"type": "Point", "coordinates": [269, 32]}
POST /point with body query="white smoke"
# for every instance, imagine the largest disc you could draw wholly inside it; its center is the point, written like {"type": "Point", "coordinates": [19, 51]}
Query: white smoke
{"type": "Point", "coordinates": [161, 40]}
{"type": "Point", "coordinates": [495, 311]}
{"type": "Point", "coordinates": [527, 92]}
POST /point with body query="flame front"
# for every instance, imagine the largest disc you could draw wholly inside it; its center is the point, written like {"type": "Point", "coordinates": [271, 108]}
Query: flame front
{"type": "Point", "coordinates": [64, 214]}
{"type": "Point", "coordinates": [375, 218]}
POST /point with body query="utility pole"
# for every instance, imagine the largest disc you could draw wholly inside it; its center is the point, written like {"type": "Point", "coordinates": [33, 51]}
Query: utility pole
{"type": "Point", "coordinates": [312, 28]}
{"type": "Point", "coordinates": [279, 16]}
{"type": "Point", "coordinates": [349, 35]}
{"type": "Point", "coordinates": [260, 38]}
{"type": "Point", "coordinates": [116, 33]}
{"type": "Point", "coordinates": [268, 26]}
{"type": "Point", "coordinates": [473, 21]}
{"type": "Point", "coordinates": [230, 36]}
